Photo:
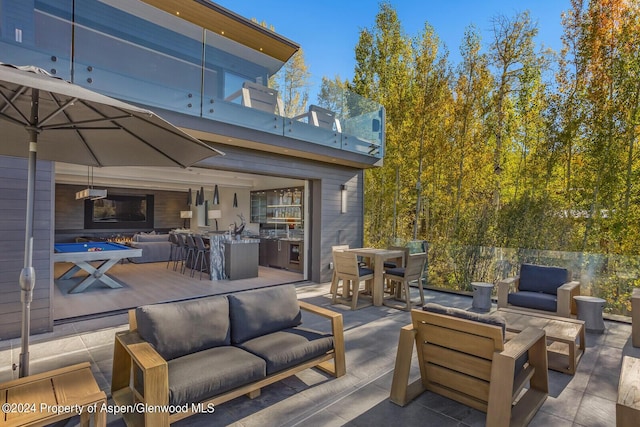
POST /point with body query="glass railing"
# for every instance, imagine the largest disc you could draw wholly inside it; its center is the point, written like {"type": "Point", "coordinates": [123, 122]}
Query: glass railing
{"type": "Point", "coordinates": [122, 52]}
{"type": "Point", "coordinates": [611, 277]}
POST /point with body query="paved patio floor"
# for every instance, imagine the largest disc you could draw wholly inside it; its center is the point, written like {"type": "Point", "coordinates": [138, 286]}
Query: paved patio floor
{"type": "Point", "coordinates": [360, 398]}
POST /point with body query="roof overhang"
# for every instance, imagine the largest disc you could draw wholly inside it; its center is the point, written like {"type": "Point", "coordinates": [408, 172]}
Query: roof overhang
{"type": "Point", "coordinates": [226, 23]}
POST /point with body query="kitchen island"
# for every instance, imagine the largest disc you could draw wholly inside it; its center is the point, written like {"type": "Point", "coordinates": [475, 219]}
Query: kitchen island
{"type": "Point", "coordinates": [241, 258]}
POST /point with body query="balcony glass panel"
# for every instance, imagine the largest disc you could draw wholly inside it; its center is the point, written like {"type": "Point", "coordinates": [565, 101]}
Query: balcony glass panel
{"type": "Point", "coordinates": [353, 124]}
{"type": "Point", "coordinates": [608, 276]}
{"type": "Point", "coordinates": [137, 59]}
{"type": "Point", "coordinates": [39, 35]}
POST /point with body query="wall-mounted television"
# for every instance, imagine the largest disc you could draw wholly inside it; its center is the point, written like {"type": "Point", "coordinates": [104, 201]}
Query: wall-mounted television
{"type": "Point", "coordinates": [114, 211]}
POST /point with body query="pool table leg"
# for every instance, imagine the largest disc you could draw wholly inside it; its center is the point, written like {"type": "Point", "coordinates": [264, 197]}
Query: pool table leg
{"type": "Point", "coordinates": [95, 274]}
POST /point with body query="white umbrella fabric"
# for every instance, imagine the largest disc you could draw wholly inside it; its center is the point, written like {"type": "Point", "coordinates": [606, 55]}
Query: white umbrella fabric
{"type": "Point", "coordinates": [68, 123]}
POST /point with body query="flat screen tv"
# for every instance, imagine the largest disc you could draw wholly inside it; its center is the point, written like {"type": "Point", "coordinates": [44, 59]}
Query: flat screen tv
{"type": "Point", "coordinates": [121, 212]}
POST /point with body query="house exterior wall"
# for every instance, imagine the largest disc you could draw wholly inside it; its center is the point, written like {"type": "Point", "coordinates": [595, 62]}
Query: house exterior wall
{"type": "Point", "coordinates": [155, 45]}
{"type": "Point", "coordinates": [13, 199]}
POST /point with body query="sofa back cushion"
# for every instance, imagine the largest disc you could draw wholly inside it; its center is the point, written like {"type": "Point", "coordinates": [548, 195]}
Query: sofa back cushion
{"type": "Point", "coordinates": [540, 278]}
{"type": "Point", "coordinates": [151, 238]}
{"type": "Point", "coordinates": [263, 311]}
{"type": "Point", "coordinates": [494, 320]}
{"type": "Point", "coordinates": [180, 328]}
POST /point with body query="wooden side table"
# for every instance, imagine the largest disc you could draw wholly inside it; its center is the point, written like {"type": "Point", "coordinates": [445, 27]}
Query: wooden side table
{"type": "Point", "coordinates": [49, 397]}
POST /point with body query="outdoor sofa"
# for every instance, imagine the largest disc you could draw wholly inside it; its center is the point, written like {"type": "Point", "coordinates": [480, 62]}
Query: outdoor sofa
{"type": "Point", "coordinates": [214, 349]}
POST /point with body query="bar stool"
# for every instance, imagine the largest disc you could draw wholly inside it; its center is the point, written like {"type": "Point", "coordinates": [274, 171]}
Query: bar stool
{"type": "Point", "coordinates": [181, 252]}
{"type": "Point", "coordinates": [202, 253]}
{"type": "Point", "coordinates": [175, 247]}
{"type": "Point", "coordinates": [191, 254]}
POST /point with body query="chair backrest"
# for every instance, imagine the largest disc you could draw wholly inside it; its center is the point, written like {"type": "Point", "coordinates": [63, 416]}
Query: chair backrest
{"type": "Point", "coordinates": [181, 240]}
{"type": "Point", "coordinates": [190, 242]}
{"type": "Point", "coordinates": [261, 98]}
{"type": "Point", "coordinates": [200, 243]}
{"type": "Point", "coordinates": [455, 355]}
{"type": "Point", "coordinates": [321, 117]}
{"type": "Point", "coordinates": [339, 248]}
{"type": "Point", "coordinates": [346, 264]}
{"type": "Point", "coordinates": [173, 239]}
{"type": "Point", "coordinates": [415, 266]}
{"type": "Point", "coordinates": [405, 249]}
{"type": "Point", "coordinates": [540, 278]}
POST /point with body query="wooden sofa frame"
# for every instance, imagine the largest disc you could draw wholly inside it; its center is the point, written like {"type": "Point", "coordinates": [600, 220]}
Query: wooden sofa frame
{"type": "Point", "coordinates": [566, 304]}
{"type": "Point", "coordinates": [467, 361]}
{"type": "Point", "coordinates": [133, 356]}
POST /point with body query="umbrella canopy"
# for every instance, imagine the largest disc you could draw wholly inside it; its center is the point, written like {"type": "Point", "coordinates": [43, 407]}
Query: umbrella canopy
{"type": "Point", "coordinates": [77, 125]}
{"type": "Point", "coordinates": [42, 115]}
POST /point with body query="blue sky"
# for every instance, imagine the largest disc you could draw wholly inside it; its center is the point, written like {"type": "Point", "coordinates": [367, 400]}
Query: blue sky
{"type": "Point", "coordinates": [328, 30]}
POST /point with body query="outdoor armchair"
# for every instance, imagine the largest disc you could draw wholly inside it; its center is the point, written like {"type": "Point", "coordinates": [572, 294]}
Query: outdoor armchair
{"type": "Point", "coordinates": [540, 288]}
{"type": "Point", "coordinates": [463, 356]}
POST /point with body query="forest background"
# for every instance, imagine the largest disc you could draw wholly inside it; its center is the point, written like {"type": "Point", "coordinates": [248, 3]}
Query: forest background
{"type": "Point", "coordinates": [516, 154]}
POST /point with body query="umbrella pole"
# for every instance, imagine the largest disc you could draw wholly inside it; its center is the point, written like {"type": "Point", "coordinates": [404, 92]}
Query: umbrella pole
{"type": "Point", "coordinates": [28, 274]}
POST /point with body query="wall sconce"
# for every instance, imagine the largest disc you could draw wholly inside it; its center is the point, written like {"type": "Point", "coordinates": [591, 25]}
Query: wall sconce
{"type": "Point", "coordinates": [235, 200]}
{"type": "Point", "coordinates": [214, 214]}
{"type": "Point", "coordinates": [343, 198]}
{"type": "Point", "coordinates": [186, 215]}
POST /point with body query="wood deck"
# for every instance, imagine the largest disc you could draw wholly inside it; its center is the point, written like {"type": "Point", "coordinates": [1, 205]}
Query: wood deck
{"type": "Point", "coordinates": [147, 284]}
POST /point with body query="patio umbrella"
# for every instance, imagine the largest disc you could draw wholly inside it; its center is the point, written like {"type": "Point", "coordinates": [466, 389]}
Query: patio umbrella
{"type": "Point", "coordinates": [65, 122]}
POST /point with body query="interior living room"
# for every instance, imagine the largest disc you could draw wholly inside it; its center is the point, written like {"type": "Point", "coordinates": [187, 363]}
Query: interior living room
{"type": "Point", "coordinates": [165, 200]}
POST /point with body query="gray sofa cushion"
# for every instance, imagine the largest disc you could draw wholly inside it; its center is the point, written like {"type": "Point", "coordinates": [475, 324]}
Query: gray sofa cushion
{"type": "Point", "coordinates": [151, 237]}
{"type": "Point", "coordinates": [152, 251]}
{"type": "Point", "coordinates": [540, 278]}
{"type": "Point", "coordinates": [536, 300]}
{"type": "Point", "coordinates": [495, 320]}
{"type": "Point", "coordinates": [262, 311]}
{"type": "Point", "coordinates": [287, 348]}
{"type": "Point", "coordinates": [201, 375]}
{"type": "Point", "coordinates": [179, 328]}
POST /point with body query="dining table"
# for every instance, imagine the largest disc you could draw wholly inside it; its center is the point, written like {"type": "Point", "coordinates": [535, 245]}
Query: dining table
{"type": "Point", "coordinates": [377, 257]}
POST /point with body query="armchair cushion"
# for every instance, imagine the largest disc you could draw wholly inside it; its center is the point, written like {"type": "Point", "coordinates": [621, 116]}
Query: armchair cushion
{"type": "Point", "coordinates": [199, 376]}
{"type": "Point", "coordinates": [185, 327]}
{"type": "Point", "coordinates": [495, 320]}
{"type": "Point", "coordinates": [263, 311]}
{"type": "Point", "coordinates": [536, 300]}
{"type": "Point", "coordinates": [539, 278]}
{"type": "Point", "coordinates": [395, 271]}
{"type": "Point", "coordinates": [284, 349]}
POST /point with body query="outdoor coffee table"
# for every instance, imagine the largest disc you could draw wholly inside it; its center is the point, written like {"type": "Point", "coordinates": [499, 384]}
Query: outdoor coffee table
{"type": "Point", "coordinates": [565, 336]}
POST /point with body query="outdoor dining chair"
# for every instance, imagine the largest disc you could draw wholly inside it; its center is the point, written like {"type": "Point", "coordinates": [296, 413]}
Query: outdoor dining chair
{"type": "Point", "coordinates": [348, 270]}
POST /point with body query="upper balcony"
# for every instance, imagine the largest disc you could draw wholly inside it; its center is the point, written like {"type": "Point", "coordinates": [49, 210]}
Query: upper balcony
{"type": "Point", "coordinates": [186, 62]}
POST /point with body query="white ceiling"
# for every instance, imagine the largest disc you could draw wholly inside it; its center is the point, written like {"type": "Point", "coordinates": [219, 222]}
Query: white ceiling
{"type": "Point", "coordinates": [157, 178]}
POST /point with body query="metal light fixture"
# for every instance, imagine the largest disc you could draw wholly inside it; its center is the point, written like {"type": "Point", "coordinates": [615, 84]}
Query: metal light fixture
{"type": "Point", "coordinates": [343, 198]}
{"type": "Point", "coordinates": [215, 214]}
{"type": "Point", "coordinates": [216, 197]}
{"type": "Point", "coordinates": [90, 192]}
{"type": "Point", "coordinates": [186, 215]}
{"type": "Point", "coordinates": [235, 200]}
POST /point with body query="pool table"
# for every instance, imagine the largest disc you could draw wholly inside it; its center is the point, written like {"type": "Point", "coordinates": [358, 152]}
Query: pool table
{"type": "Point", "coordinates": [82, 254]}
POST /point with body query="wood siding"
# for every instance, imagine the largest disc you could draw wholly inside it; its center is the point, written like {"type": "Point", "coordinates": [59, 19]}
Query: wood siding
{"type": "Point", "coordinates": [13, 198]}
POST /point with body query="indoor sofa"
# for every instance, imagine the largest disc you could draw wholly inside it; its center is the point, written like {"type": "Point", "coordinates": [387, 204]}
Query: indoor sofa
{"type": "Point", "coordinates": [210, 350]}
{"type": "Point", "coordinates": [155, 247]}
